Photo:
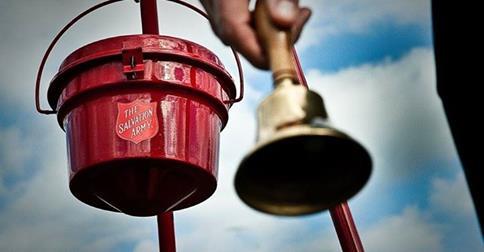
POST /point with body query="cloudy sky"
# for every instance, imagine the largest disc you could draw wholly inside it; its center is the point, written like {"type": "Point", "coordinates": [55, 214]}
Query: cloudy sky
{"type": "Point", "coordinates": [372, 61]}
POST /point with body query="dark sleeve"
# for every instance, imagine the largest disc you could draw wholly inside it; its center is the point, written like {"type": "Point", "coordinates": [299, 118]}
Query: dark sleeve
{"type": "Point", "coordinates": [458, 47]}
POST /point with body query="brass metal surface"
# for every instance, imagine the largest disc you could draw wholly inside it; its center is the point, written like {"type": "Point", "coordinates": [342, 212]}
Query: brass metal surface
{"type": "Point", "coordinates": [288, 104]}
{"type": "Point", "coordinates": [300, 164]}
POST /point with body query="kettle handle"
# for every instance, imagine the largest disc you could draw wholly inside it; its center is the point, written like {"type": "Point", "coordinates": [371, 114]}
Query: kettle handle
{"type": "Point", "coordinates": [98, 6]}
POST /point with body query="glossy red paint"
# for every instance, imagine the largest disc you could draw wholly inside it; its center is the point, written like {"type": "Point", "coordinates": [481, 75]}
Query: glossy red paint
{"type": "Point", "coordinates": [177, 166]}
{"type": "Point", "coordinates": [346, 229]}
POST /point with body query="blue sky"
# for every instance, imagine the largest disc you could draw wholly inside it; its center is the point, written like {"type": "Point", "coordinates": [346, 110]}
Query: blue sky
{"type": "Point", "coordinates": [371, 60]}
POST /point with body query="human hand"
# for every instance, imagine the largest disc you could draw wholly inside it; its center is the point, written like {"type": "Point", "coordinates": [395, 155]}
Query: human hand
{"type": "Point", "coordinates": [232, 22]}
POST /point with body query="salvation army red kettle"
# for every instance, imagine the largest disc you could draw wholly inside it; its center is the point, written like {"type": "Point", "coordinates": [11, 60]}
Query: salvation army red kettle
{"type": "Point", "coordinates": [142, 116]}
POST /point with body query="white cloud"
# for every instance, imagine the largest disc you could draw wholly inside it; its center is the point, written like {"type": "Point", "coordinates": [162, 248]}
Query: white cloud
{"type": "Point", "coordinates": [452, 197]}
{"type": "Point", "coordinates": [14, 150]}
{"type": "Point", "coordinates": [392, 107]}
{"type": "Point", "coordinates": [38, 213]}
{"type": "Point", "coordinates": [333, 17]}
{"type": "Point", "coordinates": [146, 246]}
{"type": "Point", "coordinates": [409, 231]}
{"type": "Point", "coordinates": [16, 153]}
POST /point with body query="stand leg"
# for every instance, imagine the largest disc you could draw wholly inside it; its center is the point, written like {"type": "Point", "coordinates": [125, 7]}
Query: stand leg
{"type": "Point", "coordinates": [346, 229]}
{"type": "Point", "coordinates": [166, 232]}
{"type": "Point", "coordinates": [149, 16]}
{"type": "Point", "coordinates": [166, 229]}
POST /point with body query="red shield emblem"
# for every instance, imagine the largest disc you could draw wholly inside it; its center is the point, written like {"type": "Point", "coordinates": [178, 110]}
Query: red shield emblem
{"type": "Point", "coordinates": [137, 121]}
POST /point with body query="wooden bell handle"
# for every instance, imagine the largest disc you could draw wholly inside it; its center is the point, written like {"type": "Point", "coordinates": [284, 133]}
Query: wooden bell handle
{"type": "Point", "coordinates": [277, 43]}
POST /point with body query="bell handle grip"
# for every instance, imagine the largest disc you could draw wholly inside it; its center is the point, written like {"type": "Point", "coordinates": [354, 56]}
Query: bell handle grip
{"type": "Point", "coordinates": [277, 43]}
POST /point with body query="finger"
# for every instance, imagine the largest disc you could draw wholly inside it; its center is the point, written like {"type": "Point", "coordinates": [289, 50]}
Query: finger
{"type": "Point", "coordinates": [283, 13]}
{"type": "Point", "coordinates": [208, 6]}
{"type": "Point", "coordinates": [224, 15]}
{"type": "Point", "coordinates": [244, 40]}
{"type": "Point", "coordinates": [230, 21]}
{"type": "Point", "coordinates": [302, 18]}
{"type": "Point", "coordinates": [235, 30]}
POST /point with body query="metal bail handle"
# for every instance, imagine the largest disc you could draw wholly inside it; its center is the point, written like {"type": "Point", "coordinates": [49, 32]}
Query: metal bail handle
{"type": "Point", "coordinates": [51, 46]}
{"type": "Point", "coordinates": [98, 6]}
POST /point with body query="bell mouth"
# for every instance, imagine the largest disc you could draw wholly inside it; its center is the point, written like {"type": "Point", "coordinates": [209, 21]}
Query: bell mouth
{"type": "Point", "coordinates": [302, 170]}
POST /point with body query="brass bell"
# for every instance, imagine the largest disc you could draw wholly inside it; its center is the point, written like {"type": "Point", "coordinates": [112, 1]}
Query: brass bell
{"type": "Point", "coordinates": [300, 164]}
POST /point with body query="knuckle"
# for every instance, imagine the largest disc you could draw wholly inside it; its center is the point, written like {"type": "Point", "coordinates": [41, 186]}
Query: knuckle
{"type": "Point", "coordinates": [225, 31]}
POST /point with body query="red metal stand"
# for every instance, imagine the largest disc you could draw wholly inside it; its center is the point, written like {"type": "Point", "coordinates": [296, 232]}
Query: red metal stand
{"type": "Point", "coordinates": [341, 214]}
{"type": "Point", "coordinates": [149, 17]}
{"type": "Point", "coordinates": [166, 232]}
{"type": "Point", "coordinates": [166, 229]}
{"type": "Point", "coordinates": [346, 229]}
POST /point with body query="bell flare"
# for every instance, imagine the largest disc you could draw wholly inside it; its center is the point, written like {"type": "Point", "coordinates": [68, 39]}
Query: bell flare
{"type": "Point", "coordinates": [302, 170]}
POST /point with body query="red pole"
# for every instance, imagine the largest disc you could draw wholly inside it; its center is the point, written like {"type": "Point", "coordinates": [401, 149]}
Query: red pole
{"type": "Point", "coordinates": [166, 229]}
{"type": "Point", "coordinates": [341, 214]}
{"type": "Point", "coordinates": [166, 232]}
{"type": "Point", "coordinates": [149, 16]}
{"type": "Point", "coordinates": [346, 229]}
